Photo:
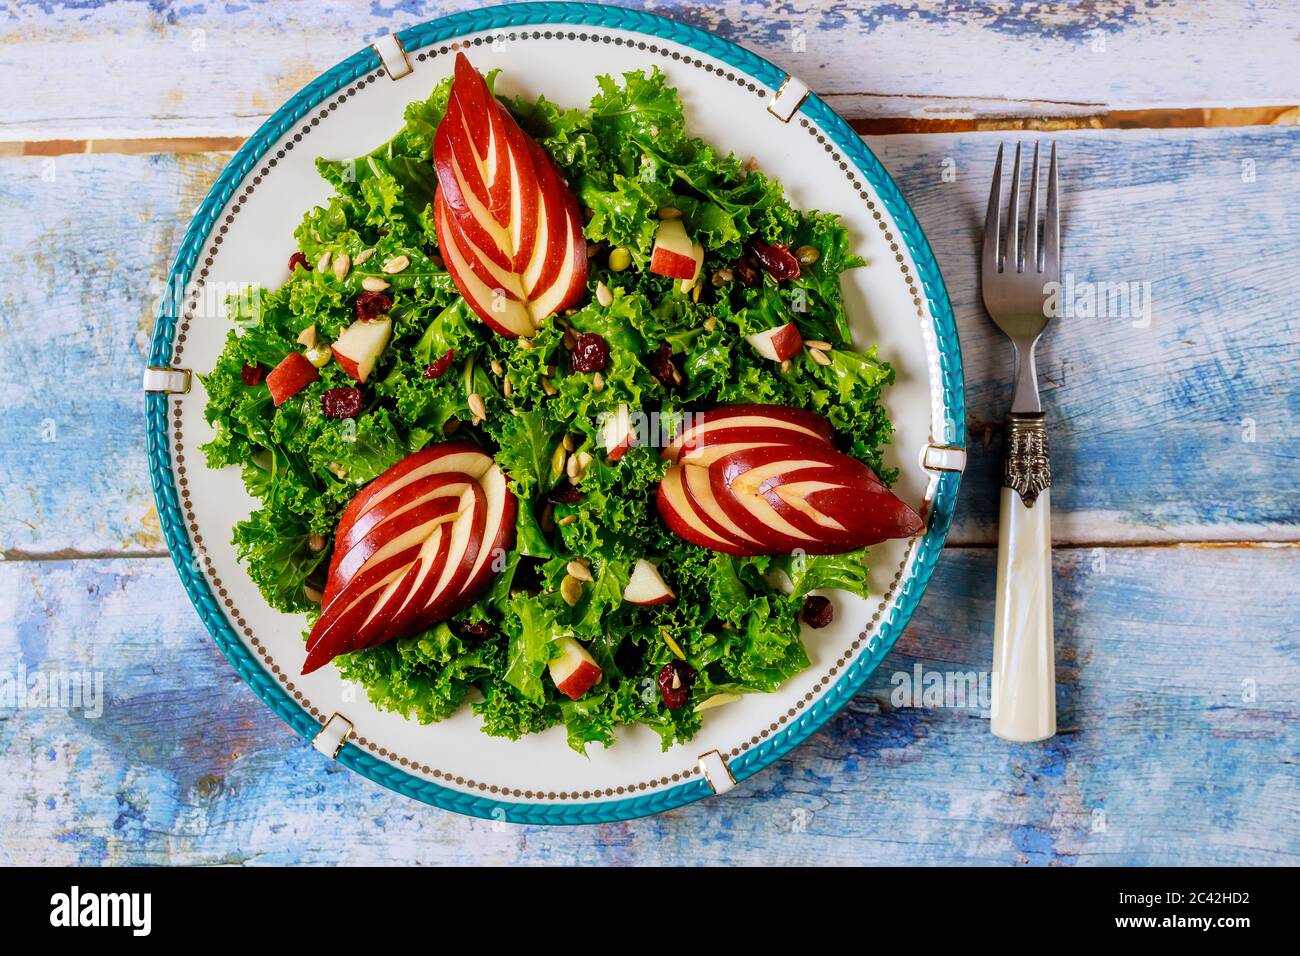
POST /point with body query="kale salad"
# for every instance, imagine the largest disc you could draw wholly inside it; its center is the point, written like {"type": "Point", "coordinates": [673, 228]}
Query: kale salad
{"type": "Point", "coordinates": [375, 353]}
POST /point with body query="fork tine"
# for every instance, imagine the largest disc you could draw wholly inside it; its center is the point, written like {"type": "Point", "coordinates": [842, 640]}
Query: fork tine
{"type": "Point", "coordinates": [1011, 259]}
{"type": "Point", "coordinates": [989, 263]}
{"type": "Point", "coordinates": [1052, 223]}
{"type": "Point", "coordinates": [1032, 249]}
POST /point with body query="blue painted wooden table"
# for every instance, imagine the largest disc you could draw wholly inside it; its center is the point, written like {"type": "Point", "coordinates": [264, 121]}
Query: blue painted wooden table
{"type": "Point", "coordinates": [1177, 502]}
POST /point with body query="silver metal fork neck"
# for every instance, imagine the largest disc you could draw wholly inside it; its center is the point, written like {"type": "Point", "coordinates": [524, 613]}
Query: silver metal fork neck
{"type": "Point", "coordinates": [1024, 396]}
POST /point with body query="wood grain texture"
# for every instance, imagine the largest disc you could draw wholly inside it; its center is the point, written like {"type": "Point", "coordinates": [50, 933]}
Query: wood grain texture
{"type": "Point", "coordinates": [171, 69]}
{"type": "Point", "coordinates": [1148, 425]}
{"type": "Point", "coordinates": [1179, 740]}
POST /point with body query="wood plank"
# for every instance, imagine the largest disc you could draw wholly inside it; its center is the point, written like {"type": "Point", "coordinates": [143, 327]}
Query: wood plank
{"type": "Point", "coordinates": [1148, 423]}
{"type": "Point", "coordinates": [1182, 717]}
{"type": "Point", "coordinates": [210, 69]}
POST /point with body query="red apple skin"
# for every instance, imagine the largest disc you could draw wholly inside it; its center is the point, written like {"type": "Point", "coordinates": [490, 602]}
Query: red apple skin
{"type": "Point", "coordinates": [574, 671]}
{"type": "Point", "coordinates": [706, 510]}
{"type": "Point", "coordinates": [453, 247]}
{"type": "Point", "coordinates": [409, 496]}
{"type": "Point", "coordinates": [502, 540]}
{"type": "Point", "coordinates": [291, 376]}
{"type": "Point", "coordinates": [677, 514]}
{"type": "Point", "coordinates": [774, 416]}
{"type": "Point", "coordinates": [428, 603]}
{"type": "Point", "coordinates": [785, 340]}
{"type": "Point", "coordinates": [665, 262]}
{"type": "Point", "coordinates": [664, 593]}
{"type": "Point", "coordinates": [869, 512]}
{"type": "Point", "coordinates": [580, 681]}
{"type": "Point", "coordinates": [465, 204]}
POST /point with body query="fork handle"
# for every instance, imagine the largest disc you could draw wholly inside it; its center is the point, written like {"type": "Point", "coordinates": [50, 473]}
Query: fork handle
{"type": "Point", "coordinates": [1024, 664]}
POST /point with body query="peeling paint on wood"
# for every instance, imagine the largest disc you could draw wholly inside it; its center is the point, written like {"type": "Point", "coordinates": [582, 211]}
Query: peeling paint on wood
{"type": "Point", "coordinates": [208, 69]}
{"type": "Point", "coordinates": [1160, 681]}
{"type": "Point", "coordinates": [1180, 430]}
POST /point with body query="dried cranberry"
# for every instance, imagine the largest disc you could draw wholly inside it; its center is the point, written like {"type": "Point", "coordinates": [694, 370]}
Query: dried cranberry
{"type": "Point", "coordinates": [776, 258]}
{"type": "Point", "coordinates": [252, 374]}
{"type": "Point", "coordinates": [747, 269]}
{"type": "Point", "coordinates": [680, 674]}
{"type": "Point", "coordinates": [438, 367]}
{"type": "Point", "coordinates": [660, 363]}
{"type": "Point", "coordinates": [565, 494]}
{"type": "Point", "coordinates": [371, 305]}
{"type": "Point", "coordinates": [590, 353]}
{"type": "Point", "coordinates": [341, 402]}
{"type": "Point", "coordinates": [478, 632]}
{"type": "Point", "coordinates": [298, 259]}
{"type": "Point", "coordinates": [817, 611]}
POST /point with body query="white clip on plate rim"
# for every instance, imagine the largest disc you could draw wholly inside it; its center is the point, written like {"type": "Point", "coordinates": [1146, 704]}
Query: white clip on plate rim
{"type": "Point", "coordinates": [788, 98]}
{"type": "Point", "coordinates": [944, 458]}
{"type": "Point", "coordinates": [393, 56]}
{"type": "Point", "coordinates": [333, 734]}
{"type": "Point", "coordinates": [716, 772]}
{"type": "Point", "coordinates": [166, 380]}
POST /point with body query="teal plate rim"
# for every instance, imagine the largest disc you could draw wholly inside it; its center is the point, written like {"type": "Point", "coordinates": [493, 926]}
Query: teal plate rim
{"type": "Point", "coordinates": [196, 586]}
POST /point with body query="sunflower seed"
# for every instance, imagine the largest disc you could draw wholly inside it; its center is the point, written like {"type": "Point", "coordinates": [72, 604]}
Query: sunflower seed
{"type": "Point", "coordinates": [477, 407]}
{"type": "Point", "coordinates": [323, 262]}
{"type": "Point", "coordinates": [818, 344]}
{"type": "Point", "coordinates": [567, 443]}
{"type": "Point", "coordinates": [821, 358]}
{"type": "Point", "coordinates": [373, 284]}
{"type": "Point", "coordinates": [525, 344]}
{"type": "Point", "coordinates": [316, 542]}
{"type": "Point", "coordinates": [571, 469]}
{"type": "Point", "coordinates": [710, 323]}
{"type": "Point", "coordinates": [579, 570]}
{"type": "Point", "coordinates": [363, 255]}
{"type": "Point", "coordinates": [786, 365]}
{"type": "Point", "coordinates": [507, 389]}
{"type": "Point", "coordinates": [722, 277]}
{"type": "Point", "coordinates": [807, 255]}
{"type": "Point", "coordinates": [598, 382]}
{"type": "Point", "coordinates": [396, 265]}
{"type": "Point", "coordinates": [548, 386]}
{"type": "Point", "coordinates": [557, 460]}
{"type": "Point", "coordinates": [496, 367]}
{"type": "Point", "coordinates": [571, 590]}
{"type": "Point", "coordinates": [567, 520]}
{"type": "Point", "coordinates": [312, 594]}
{"type": "Point", "coordinates": [341, 266]}
{"type": "Point", "coordinates": [603, 295]}
{"type": "Point", "coordinates": [307, 336]}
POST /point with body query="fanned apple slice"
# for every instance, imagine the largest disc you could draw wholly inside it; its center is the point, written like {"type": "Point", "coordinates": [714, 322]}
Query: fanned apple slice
{"type": "Point", "coordinates": [508, 226]}
{"type": "Point", "coordinates": [701, 425]}
{"type": "Point", "coordinates": [412, 548]}
{"type": "Point", "coordinates": [759, 479]}
{"type": "Point", "coordinates": [676, 510]}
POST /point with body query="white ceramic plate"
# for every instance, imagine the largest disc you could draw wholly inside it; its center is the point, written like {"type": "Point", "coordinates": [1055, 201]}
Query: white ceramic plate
{"type": "Point", "coordinates": [243, 234]}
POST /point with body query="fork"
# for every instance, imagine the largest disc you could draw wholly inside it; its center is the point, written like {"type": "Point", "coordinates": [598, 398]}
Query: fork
{"type": "Point", "coordinates": [1013, 282]}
